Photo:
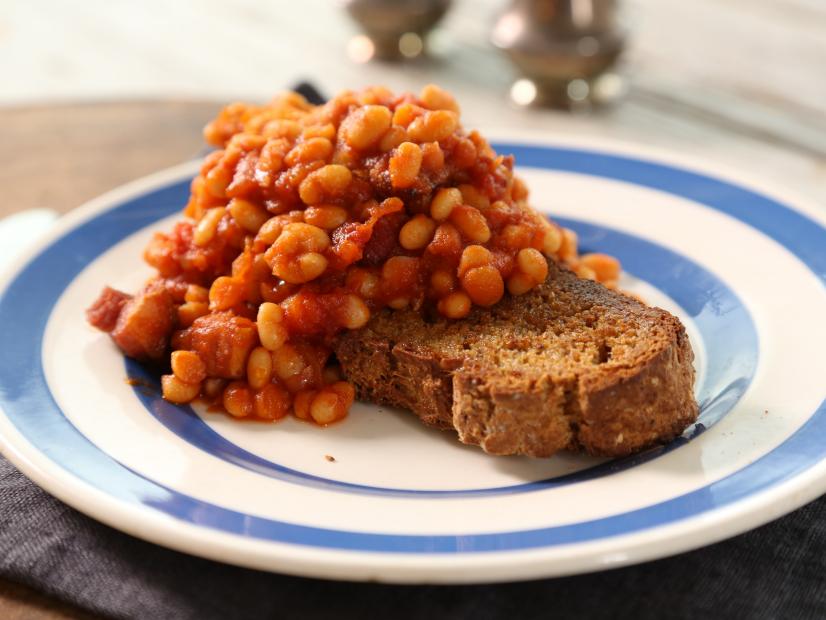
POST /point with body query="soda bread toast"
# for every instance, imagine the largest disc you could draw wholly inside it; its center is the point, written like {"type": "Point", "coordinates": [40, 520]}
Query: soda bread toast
{"type": "Point", "coordinates": [570, 365]}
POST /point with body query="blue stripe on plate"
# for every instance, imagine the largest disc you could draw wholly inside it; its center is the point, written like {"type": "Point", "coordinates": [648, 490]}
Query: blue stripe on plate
{"type": "Point", "coordinates": [728, 333]}
{"type": "Point", "coordinates": [28, 404]}
{"type": "Point", "coordinates": [793, 230]}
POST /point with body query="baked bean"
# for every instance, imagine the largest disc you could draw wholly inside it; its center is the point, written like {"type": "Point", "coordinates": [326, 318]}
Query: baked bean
{"type": "Point", "coordinates": [296, 255]}
{"type": "Point", "coordinates": [230, 156]}
{"type": "Point", "coordinates": [207, 226]}
{"type": "Point", "coordinates": [214, 387]}
{"type": "Point", "coordinates": [473, 197]}
{"type": "Point", "coordinates": [585, 272]}
{"type": "Point", "coordinates": [405, 164]}
{"type": "Point", "coordinates": [329, 181]}
{"type": "Point", "coordinates": [312, 149]}
{"type": "Point", "coordinates": [270, 231]}
{"type": "Point", "coordinates": [217, 181]}
{"type": "Point", "coordinates": [365, 126]}
{"type": "Point", "coordinates": [188, 367]}
{"type": "Point", "coordinates": [399, 274]}
{"type": "Point", "coordinates": [484, 285]}
{"type": "Point", "coordinates": [302, 402]}
{"type": "Point", "coordinates": [604, 267]}
{"type": "Point", "coordinates": [417, 232]}
{"type": "Point", "coordinates": [259, 367]}
{"type": "Point", "coordinates": [433, 157]}
{"type": "Point", "coordinates": [238, 399]}
{"type": "Point", "coordinates": [532, 264]}
{"type": "Point", "coordinates": [405, 113]}
{"type": "Point", "coordinates": [432, 126]}
{"type": "Point", "coordinates": [568, 248]}
{"type": "Point", "coordinates": [376, 95]}
{"type": "Point", "coordinates": [353, 312]}
{"type": "Point", "coordinates": [225, 293]}
{"type": "Point", "coordinates": [247, 141]}
{"type": "Point", "coordinates": [327, 217]}
{"type": "Point", "coordinates": [474, 256]}
{"type": "Point", "coordinates": [455, 306]}
{"type": "Point", "coordinates": [471, 223]}
{"type": "Point", "coordinates": [443, 203]}
{"type": "Point", "coordinates": [327, 407]}
{"type": "Point", "coordinates": [345, 391]}
{"type": "Point", "coordinates": [482, 146]}
{"type": "Point", "coordinates": [215, 132]}
{"type": "Point", "coordinates": [552, 241]}
{"type": "Point", "coordinates": [308, 266]}
{"type": "Point", "coordinates": [442, 283]}
{"type": "Point", "coordinates": [363, 282]}
{"type": "Point", "coordinates": [176, 391]}
{"type": "Point", "coordinates": [327, 131]}
{"type": "Point", "coordinates": [271, 402]}
{"type": "Point", "coordinates": [287, 362]}
{"type": "Point", "coordinates": [393, 138]}
{"type": "Point", "coordinates": [271, 332]}
{"type": "Point", "coordinates": [281, 128]}
{"type": "Point", "coordinates": [519, 191]}
{"type": "Point", "coordinates": [464, 154]}
{"type": "Point", "coordinates": [435, 98]}
{"type": "Point", "coordinates": [516, 236]}
{"type": "Point", "coordinates": [331, 403]}
{"type": "Point", "coordinates": [260, 269]}
{"type": "Point", "coordinates": [248, 215]}
{"type": "Point", "coordinates": [191, 310]}
{"type": "Point", "coordinates": [272, 155]}
{"type": "Point", "coordinates": [196, 293]}
{"type": "Point", "coordinates": [346, 157]}
{"type": "Point", "coordinates": [520, 283]}
{"type": "Point", "coordinates": [447, 242]}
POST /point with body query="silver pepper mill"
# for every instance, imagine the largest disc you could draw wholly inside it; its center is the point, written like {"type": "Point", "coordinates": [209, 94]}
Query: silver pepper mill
{"type": "Point", "coordinates": [395, 29]}
{"type": "Point", "coordinates": [566, 51]}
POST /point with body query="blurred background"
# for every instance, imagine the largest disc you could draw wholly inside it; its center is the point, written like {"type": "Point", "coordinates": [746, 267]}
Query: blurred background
{"type": "Point", "coordinates": [737, 81]}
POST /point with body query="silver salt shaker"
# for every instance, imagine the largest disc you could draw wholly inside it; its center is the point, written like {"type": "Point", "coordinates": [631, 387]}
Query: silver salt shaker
{"type": "Point", "coordinates": [566, 51]}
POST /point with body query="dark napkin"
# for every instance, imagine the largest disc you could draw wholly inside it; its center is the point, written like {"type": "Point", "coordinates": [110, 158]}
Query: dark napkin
{"type": "Point", "coordinates": [777, 571]}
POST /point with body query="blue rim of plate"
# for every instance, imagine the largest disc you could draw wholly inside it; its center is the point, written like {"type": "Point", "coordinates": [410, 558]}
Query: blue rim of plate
{"type": "Point", "coordinates": [727, 330]}
{"type": "Point", "coordinates": [29, 406]}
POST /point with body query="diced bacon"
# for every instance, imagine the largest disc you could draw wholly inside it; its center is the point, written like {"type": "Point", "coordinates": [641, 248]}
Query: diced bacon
{"type": "Point", "coordinates": [104, 313]}
{"type": "Point", "coordinates": [224, 342]}
{"type": "Point", "coordinates": [384, 239]}
{"type": "Point", "coordinates": [145, 323]}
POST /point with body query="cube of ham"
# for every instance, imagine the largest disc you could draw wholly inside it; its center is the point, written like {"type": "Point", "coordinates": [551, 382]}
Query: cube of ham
{"type": "Point", "coordinates": [223, 341]}
{"type": "Point", "coordinates": [145, 323]}
{"type": "Point", "coordinates": [104, 313]}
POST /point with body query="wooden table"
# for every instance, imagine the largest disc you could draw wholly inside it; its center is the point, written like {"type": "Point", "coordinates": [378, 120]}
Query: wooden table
{"type": "Point", "coordinates": [59, 157]}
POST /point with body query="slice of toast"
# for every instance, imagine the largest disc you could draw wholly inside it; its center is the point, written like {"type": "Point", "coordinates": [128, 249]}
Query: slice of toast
{"type": "Point", "coordinates": [570, 365]}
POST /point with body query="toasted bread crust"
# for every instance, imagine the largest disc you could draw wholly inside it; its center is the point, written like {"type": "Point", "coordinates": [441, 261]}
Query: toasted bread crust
{"type": "Point", "coordinates": [570, 365]}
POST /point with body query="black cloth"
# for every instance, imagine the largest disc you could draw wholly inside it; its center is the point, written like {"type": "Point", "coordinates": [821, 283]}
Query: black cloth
{"type": "Point", "coordinates": [777, 571]}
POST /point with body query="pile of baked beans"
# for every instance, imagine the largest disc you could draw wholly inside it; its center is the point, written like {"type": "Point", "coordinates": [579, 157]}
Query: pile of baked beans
{"type": "Point", "coordinates": [308, 219]}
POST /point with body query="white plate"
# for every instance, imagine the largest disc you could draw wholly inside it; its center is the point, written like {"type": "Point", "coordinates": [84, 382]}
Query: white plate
{"type": "Point", "coordinates": [742, 267]}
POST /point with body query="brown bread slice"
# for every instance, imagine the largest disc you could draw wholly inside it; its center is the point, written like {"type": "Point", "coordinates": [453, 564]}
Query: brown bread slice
{"type": "Point", "coordinates": [570, 365]}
